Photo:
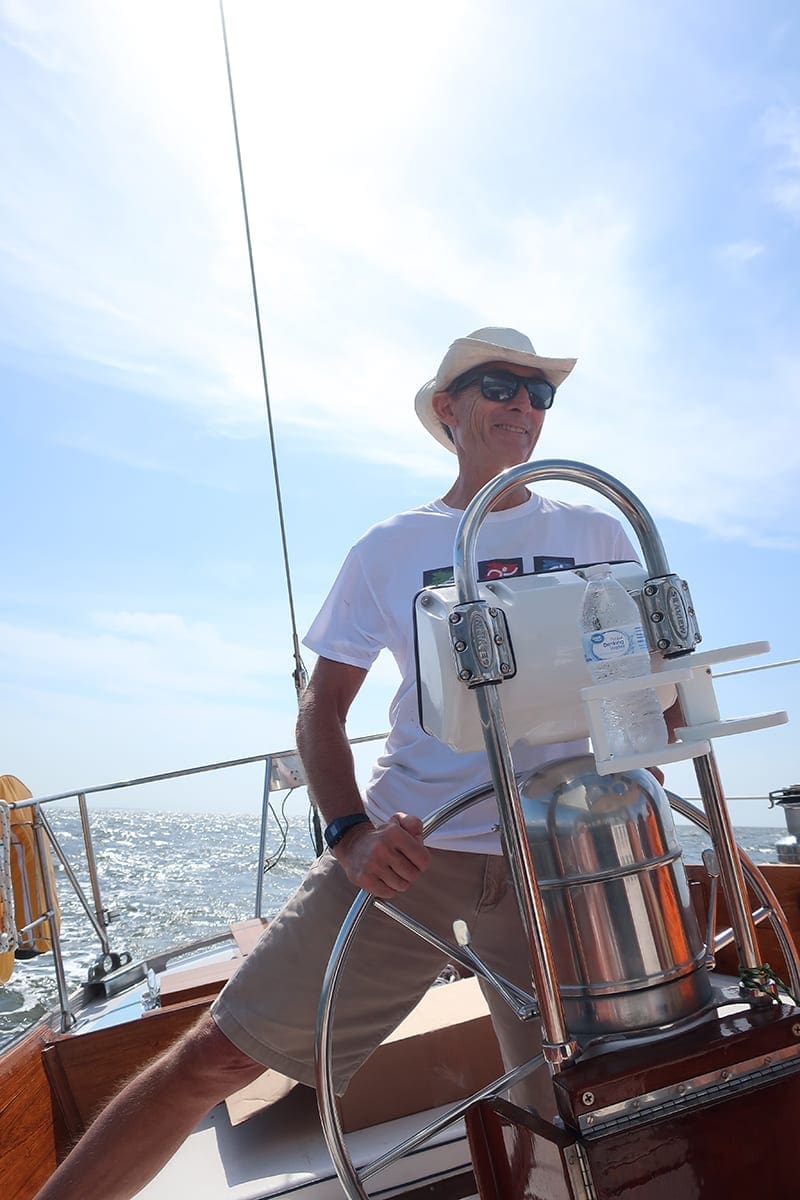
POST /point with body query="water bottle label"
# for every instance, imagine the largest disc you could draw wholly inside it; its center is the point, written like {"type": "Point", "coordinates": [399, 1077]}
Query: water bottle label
{"type": "Point", "coordinates": [607, 644]}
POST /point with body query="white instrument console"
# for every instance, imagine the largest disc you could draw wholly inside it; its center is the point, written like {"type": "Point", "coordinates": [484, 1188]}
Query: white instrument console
{"type": "Point", "coordinates": [549, 695]}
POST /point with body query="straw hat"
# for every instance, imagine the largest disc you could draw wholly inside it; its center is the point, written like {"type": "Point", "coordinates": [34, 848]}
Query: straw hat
{"type": "Point", "coordinates": [484, 346]}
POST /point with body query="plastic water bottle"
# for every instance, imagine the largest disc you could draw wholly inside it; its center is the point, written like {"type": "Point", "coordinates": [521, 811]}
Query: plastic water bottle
{"type": "Point", "coordinates": [615, 647]}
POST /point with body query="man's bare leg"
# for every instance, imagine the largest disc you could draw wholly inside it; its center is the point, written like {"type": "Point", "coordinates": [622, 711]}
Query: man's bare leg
{"type": "Point", "coordinates": [143, 1126]}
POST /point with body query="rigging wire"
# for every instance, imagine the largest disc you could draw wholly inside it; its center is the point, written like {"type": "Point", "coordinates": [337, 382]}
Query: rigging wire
{"type": "Point", "coordinates": [787, 662]}
{"type": "Point", "coordinates": [300, 675]}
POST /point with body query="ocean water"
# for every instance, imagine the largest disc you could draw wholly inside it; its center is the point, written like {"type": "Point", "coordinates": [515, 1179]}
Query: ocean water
{"type": "Point", "coordinates": [167, 878]}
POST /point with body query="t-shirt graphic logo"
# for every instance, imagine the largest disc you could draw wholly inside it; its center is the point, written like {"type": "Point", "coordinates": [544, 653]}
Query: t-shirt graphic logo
{"type": "Point", "coordinates": [437, 576]}
{"type": "Point", "coordinates": [551, 562]}
{"type": "Point", "coordinates": [499, 568]}
{"type": "Point", "coordinates": [492, 568]}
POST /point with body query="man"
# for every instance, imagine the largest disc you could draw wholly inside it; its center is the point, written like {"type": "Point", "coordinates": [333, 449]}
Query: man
{"type": "Point", "coordinates": [487, 405]}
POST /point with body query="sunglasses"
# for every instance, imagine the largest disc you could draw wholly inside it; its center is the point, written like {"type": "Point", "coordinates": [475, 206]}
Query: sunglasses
{"type": "Point", "coordinates": [502, 386]}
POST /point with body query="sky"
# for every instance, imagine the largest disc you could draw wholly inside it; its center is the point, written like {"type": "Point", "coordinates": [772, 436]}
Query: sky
{"type": "Point", "coordinates": [622, 181]}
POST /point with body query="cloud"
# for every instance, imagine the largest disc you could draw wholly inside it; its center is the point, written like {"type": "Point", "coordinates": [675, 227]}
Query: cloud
{"type": "Point", "coordinates": [59, 740]}
{"type": "Point", "coordinates": [380, 234]}
{"type": "Point", "coordinates": [571, 282]}
{"type": "Point", "coordinates": [130, 654]}
{"type": "Point", "coordinates": [692, 438]}
{"type": "Point", "coordinates": [142, 692]}
{"type": "Point", "coordinates": [124, 244]}
{"type": "Point", "coordinates": [158, 657]}
{"type": "Point", "coordinates": [781, 131]}
{"type": "Point", "coordinates": [739, 253]}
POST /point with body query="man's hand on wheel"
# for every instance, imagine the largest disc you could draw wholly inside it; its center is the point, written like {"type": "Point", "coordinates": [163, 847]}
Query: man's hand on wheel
{"type": "Point", "coordinates": [384, 859]}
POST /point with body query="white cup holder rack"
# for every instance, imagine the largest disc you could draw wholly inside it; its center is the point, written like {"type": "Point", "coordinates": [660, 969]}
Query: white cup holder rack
{"type": "Point", "coordinates": [693, 680]}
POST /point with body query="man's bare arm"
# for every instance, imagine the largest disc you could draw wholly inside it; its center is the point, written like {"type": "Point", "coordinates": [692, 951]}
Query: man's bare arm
{"type": "Point", "coordinates": [384, 859]}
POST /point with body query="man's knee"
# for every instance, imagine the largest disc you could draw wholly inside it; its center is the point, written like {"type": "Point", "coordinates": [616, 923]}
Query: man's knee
{"type": "Point", "coordinates": [206, 1055]}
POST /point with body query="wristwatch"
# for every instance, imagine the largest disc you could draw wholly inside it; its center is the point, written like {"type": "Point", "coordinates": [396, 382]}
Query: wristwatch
{"type": "Point", "coordinates": [338, 828]}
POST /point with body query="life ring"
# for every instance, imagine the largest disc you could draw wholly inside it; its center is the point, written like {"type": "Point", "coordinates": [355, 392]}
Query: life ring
{"type": "Point", "coordinates": [27, 879]}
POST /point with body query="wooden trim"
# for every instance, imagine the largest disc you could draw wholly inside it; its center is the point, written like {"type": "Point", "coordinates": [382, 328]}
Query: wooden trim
{"type": "Point", "coordinates": [484, 1150]}
{"type": "Point", "coordinates": [246, 934]}
{"type": "Point", "coordinates": [87, 1069]}
{"type": "Point", "coordinates": [31, 1129]}
{"type": "Point", "coordinates": [196, 983]}
{"type": "Point", "coordinates": [62, 1093]}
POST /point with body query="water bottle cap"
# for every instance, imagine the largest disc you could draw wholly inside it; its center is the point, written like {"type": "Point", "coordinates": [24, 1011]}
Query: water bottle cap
{"type": "Point", "coordinates": [597, 571]}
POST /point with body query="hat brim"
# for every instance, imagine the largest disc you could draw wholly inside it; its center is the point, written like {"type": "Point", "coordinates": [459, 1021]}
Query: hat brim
{"type": "Point", "coordinates": [469, 354]}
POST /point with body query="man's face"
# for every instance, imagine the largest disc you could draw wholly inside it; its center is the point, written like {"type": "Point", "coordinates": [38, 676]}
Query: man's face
{"type": "Point", "coordinates": [487, 434]}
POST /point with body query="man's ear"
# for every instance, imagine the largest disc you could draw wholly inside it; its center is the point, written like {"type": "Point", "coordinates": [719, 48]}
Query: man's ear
{"type": "Point", "coordinates": [442, 405]}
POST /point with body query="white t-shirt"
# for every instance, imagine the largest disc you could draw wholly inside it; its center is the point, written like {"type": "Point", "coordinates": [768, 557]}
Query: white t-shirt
{"type": "Point", "coordinates": [370, 607]}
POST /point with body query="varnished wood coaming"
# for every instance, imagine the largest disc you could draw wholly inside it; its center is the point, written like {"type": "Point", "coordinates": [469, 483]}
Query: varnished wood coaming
{"type": "Point", "coordinates": [52, 1085]}
{"type": "Point", "coordinates": [31, 1128]}
{"type": "Point", "coordinates": [87, 1069]}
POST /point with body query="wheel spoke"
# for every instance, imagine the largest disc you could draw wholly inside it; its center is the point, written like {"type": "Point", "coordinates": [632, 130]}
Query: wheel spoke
{"type": "Point", "coordinates": [523, 1004]}
{"type": "Point", "coordinates": [725, 936]}
{"type": "Point", "coordinates": [458, 1110]}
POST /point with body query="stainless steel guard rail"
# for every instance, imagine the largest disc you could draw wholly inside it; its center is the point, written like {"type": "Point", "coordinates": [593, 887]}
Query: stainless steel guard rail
{"type": "Point", "coordinates": [282, 772]}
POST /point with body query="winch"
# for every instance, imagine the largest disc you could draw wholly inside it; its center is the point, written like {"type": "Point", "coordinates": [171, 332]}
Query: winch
{"type": "Point", "coordinates": [788, 801]}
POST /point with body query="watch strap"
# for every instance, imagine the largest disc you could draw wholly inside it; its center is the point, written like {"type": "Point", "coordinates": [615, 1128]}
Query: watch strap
{"type": "Point", "coordinates": [338, 828]}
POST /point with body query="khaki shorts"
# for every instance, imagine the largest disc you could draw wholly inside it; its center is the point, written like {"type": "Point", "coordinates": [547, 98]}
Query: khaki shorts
{"type": "Point", "coordinates": [269, 1007]}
